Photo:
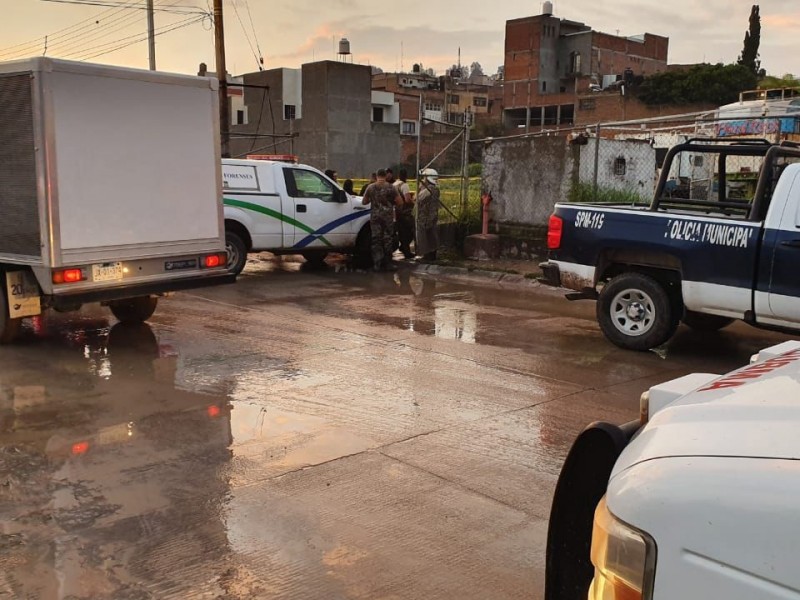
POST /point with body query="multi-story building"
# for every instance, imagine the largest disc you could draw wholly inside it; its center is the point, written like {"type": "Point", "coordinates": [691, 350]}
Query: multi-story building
{"type": "Point", "coordinates": [552, 65]}
{"type": "Point", "coordinates": [445, 99]}
{"type": "Point", "coordinates": [325, 112]}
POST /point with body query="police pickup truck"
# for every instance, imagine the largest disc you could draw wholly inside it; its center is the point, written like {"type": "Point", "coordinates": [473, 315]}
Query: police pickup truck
{"type": "Point", "coordinates": [696, 500]}
{"type": "Point", "coordinates": [288, 208]}
{"type": "Point", "coordinates": [719, 242]}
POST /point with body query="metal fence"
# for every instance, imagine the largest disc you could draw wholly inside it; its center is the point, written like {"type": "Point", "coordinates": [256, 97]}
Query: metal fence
{"type": "Point", "coordinates": [617, 162]}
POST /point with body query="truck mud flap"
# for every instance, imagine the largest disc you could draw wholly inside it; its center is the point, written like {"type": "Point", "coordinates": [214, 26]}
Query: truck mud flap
{"type": "Point", "coordinates": [581, 485]}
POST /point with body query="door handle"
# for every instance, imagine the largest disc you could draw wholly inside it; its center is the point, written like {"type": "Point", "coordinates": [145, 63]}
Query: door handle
{"type": "Point", "coordinates": [362, 207]}
{"type": "Point", "coordinates": [302, 208]}
{"type": "Point", "coordinates": [791, 243]}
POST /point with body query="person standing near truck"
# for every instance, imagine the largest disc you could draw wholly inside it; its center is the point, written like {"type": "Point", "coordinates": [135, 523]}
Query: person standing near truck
{"type": "Point", "coordinates": [405, 214]}
{"type": "Point", "coordinates": [383, 197]}
{"type": "Point", "coordinates": [428, 215]}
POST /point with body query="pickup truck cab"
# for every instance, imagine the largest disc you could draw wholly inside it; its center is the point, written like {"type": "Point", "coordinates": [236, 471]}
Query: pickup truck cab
{"type": "Point", "coordinates": [718, 245]}
{"type": "Point", "coordinates": [287, 208]}
{"type": "Point", "coordinates": [696, 500]}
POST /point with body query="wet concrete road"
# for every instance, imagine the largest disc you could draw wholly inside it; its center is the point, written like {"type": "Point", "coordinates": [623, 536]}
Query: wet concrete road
{"type": "Point", "coordinates": [308, 435]}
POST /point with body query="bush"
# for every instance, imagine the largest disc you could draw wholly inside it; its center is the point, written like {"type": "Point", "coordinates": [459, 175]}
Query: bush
{"type": "Point", "coordinates": [583, 193]}
{"type": "Point", "coordinates": [475, 169]}
{"type": "Point", "coordinates": [701, 84]}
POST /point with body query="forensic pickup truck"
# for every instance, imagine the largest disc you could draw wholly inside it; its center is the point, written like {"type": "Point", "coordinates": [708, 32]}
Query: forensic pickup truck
{"type": "Point", "coordinates": [719, 242]}
{"type": "Point", "coordinates": [695, 500]}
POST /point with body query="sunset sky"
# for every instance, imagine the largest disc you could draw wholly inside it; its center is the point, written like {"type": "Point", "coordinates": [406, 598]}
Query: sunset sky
{"type": "Point", "coordinates": [431, 32]}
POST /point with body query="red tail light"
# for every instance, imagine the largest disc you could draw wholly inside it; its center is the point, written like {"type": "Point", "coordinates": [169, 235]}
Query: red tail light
{"type": "Point", "coordinates": [68, 276]}
{"type": "Point", "coordinates": [80, 448]}
{"type": "Point", "coordinates": [554, 229]}
{"type": "Point", "coordinates": [214, 411]}
{"type": "Point", "coordinates": [214, 260]}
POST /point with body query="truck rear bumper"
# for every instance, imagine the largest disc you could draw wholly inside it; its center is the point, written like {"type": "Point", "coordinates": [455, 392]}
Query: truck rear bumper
{"type": "Point", "coordinates": [551, 274]}
{"type": "Point", "coordinates": [142, 289]}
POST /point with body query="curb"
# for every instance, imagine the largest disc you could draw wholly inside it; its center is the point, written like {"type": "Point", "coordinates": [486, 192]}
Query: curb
{"type": "Point", "coordinates": [479, 277]}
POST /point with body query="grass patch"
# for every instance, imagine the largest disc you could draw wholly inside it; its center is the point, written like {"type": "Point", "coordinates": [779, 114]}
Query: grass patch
{"type": "Point", "coordinates": [584, 193]}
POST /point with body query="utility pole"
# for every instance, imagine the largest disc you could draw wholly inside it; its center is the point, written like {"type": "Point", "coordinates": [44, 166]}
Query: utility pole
{"type": "Point", "coordinates": [151, 35]}
{"type": "Point", "coordinates": [222, 75]}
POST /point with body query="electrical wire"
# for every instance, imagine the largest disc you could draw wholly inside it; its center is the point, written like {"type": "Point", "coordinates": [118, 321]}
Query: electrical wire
{"type": "Point", "coordinates": [181, 25]}
{"type": "Point", "coordinates": [69, 32]}
{"type": "Point", "coordinates": [244, 30]}
{"type": "Point", "coordinates": [255, 36]}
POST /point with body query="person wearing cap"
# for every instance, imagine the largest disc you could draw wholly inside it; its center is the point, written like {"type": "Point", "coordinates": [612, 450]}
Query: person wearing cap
{"type": "Point", "coordinates": [427, 242]}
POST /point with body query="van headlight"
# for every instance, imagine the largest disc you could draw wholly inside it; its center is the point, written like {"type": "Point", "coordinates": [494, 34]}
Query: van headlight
{"type": "Point", "coordinates": [624, 559]}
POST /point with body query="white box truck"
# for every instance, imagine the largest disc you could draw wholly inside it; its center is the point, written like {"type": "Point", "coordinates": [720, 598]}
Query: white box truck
{"type": "Point", "coordinates": [110, 188]}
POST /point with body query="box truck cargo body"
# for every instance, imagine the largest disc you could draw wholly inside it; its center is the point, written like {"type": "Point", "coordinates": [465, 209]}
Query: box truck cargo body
{"type": "Point", "coordinates": [110, 188]}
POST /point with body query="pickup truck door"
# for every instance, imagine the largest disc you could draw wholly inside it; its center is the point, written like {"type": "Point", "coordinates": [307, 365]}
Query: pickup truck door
{"type": "Point", "coordinates": [250, 200]}
{"type": "Point", "coordinates": [782, 251]}
{"type": "Point", "coordinates": [318, 219]}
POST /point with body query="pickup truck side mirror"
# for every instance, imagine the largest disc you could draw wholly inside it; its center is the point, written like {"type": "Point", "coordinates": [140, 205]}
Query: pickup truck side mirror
{"type": "Point", "coordinates": [340, 195]}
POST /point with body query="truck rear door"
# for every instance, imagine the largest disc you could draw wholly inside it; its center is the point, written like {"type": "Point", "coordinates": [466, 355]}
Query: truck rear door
{"type": "Point", "coordinates": [778, 277]}
{"type": "Point", "coordinates": [250, 189]}
{"type": "Point", "coordinates": [319, 220]}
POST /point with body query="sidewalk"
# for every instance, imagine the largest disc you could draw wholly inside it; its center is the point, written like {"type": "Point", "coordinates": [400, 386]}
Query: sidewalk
{"type": "Point", "coordinates": [502, 272]}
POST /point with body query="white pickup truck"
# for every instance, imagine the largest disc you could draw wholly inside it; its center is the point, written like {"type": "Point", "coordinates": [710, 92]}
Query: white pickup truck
{"type": "Point", "coordinates": [696, 500]}
{"type": "Point", "coordinates": [287, 208]}
{"type": "Point", "coordinates": [110, 186]}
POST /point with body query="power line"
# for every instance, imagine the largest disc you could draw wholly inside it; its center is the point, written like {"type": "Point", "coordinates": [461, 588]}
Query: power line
{"type": "Point", "coordinates": [255, 35]}
{"type": "Point", "coordinates": [246, 36]}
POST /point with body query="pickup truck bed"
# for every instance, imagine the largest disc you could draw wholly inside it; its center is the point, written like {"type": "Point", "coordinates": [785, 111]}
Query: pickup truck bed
{"type": "Point", "coordinates": [706, 262]}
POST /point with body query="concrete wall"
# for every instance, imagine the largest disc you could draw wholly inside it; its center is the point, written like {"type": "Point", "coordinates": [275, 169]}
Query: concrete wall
{"type": "Point", "coordinates": [638, 157]}
{"type": "Point", "coordinates": [527, 176]}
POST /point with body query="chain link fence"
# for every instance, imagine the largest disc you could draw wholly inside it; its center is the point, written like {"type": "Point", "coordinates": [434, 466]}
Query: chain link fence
{"type": "Point", "coordinates": [619, 163]}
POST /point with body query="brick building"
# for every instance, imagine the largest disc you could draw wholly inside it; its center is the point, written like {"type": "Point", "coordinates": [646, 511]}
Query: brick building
{"type": "Point", "coordinates": [558, 71]}
{"type": "Point", "coordinates": [446, 99]}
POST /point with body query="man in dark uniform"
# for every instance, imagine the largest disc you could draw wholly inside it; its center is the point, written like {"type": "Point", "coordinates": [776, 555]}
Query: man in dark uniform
{"type": "Point", "coordinates": [384, 198]}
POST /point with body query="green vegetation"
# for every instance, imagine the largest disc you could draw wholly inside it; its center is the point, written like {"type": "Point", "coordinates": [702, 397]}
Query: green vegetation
{"type": "Point", "coordinates": [701, 84]}
{"type": "Point", "coordinates": [772, 82]}
{"type": "Point", "coordinates": [752, 40]}
{"type": "Point", "coordinates": [584, 193]}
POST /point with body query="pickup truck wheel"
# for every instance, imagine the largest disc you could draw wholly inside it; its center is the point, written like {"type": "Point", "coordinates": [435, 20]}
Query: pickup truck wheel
{"type": "Point", "coordinates": [134, 310]}
{"type": "Point", "coordinates": [9, 328]}
{"type": "Point", "coordinates": [315, 259]}
{"type": "Point", "coordinates": [635, 312]}
{"type": "Point", "coordinates": [237, 252]}
{"type": "Point", "coordinates": [363, 251]}
{"type": "Point", "coordinates": [702, 322]}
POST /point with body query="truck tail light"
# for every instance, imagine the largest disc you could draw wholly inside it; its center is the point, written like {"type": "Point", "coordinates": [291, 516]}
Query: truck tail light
{"type": "Point", "coordinates": [214, 260]}
{"type": "Point", "coordinates": [67, 276]}
{"type": "Point", "coordinates": [554, 230]}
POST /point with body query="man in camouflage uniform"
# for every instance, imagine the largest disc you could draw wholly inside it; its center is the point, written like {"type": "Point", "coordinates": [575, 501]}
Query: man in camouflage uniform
{"type": "Point", "coordinates": [383, 197]}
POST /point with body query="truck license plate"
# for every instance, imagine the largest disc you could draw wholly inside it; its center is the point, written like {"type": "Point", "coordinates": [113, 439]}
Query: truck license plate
{"type": "Point", "coordinates": [107, 272]}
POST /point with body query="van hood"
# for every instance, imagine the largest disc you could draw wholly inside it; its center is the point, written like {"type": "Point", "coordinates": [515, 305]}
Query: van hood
{"type": "Point", "coordinates": [753, 412]}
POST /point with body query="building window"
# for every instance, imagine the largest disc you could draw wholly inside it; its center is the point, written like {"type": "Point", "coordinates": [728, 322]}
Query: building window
{"type": "Point", "coordinates": [377, 114]}
{"type": "Point", "coordinates": [620, 166]}
{"type": "Point", "coordinates": [289, 112]}
{"type": "Point", "coordinates": [408, 128]}
{"type": "Point", "coordinates": [479, 101]}
{"type": "Point", "coordinates": [586, 104]}
{"type": "Point", "coordinates": [240, 120]}
{"type": "Point", "coordinates": [544, 86]}
{"type": "Point", "coordinates": [453, 98]}
{"type": "Point", "coordinates": [432, 106]}
{"type": "Point", "coordinates": [575, 63]}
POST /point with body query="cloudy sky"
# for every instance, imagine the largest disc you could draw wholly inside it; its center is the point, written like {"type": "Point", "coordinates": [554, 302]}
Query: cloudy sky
{"type": "Point", "coordinates": [431, 32]}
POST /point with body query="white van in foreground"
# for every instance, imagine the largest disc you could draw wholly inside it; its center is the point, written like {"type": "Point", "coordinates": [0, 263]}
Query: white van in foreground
{"type": "Point", "coordinates": [698, 500]}
{"type": "Point", "coordinates": [287, 208]}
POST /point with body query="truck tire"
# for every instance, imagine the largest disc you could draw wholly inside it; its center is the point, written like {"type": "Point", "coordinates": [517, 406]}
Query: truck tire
{"type": "Point", "coordinates": [237, 252]}
{"type": "Point", "coordinates": [703, 322]}
{"type": "Point", "coordinates": [635, 312]}
{"type": "Point", "coordinates": [9, 328]}
{"type": "Point", "coordinates": [134, 310]}
{"type": "Point", "coordinates": [315, 258]}
{"type": "Point", "coordinates": [362, 254]}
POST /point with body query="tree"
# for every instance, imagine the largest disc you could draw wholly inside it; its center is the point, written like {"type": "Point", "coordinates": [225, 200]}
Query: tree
{"type": "Point", "coordinates": [752, 40]}
{"type": "Point", "coordinates": [476, 70]}
{"type": "Point", "coordinates": [701, 84]}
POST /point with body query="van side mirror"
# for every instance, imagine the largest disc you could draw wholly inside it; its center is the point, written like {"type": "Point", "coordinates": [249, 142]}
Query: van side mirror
{"type": "Point", "coordinates": [340, 195]}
